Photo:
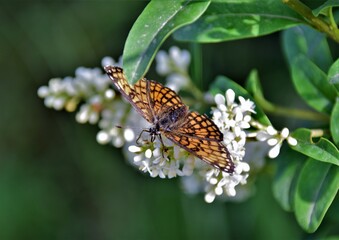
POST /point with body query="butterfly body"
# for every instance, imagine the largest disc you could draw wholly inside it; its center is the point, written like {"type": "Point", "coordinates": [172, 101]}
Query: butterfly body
{"type": "Point", "coordinates": [164, 109]}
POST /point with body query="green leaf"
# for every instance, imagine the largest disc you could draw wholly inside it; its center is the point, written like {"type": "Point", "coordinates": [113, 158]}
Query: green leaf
{"type": "Point", "coordinates": [324, 7]}
{"type": "Point", "coordinates": [303, 40]}
{"type": "Point", "coordinates": [333, 75]}
{"type": "Point", "coordinates": [289, 163]}
{"type": "Point", "coordinates": [253, 85]}
{"type": "Point", "coordinates": [222, 83]}
{"type": "Point", "coordinates": [334, 126]}
{"type": "Point", "coordinates": [312, 85]}
{"type": "Point", "coordinates": [254, 88]}
{"type": "Point", "coordinates": [158, 20]}
{"type": "Point", "coordinates": [323, 150]}
{"type": "Point", "coordinates": [228, 20]}
{"type": "Point", "coordinates": [317, 186]}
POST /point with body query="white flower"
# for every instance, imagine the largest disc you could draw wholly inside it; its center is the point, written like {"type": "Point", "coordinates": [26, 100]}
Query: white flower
{"type": "Point", "coordinates": [108, 61]}
{"type": "Point", "coordinates": [166, 161]}
{"type": "Point", "coordinates": [174, 65]}
{"type": "Point", "coordinates": [222, 183]}
{"type": "Point", "coordinates": [176, 59]}
{"type": "Point", "coordinates": [273, 138]}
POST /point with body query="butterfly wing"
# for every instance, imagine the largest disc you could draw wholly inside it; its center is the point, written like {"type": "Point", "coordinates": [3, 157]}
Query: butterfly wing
{"type": "Point", "coordinates": [195, 133]}
{"type": "Point", "coordinates": [200, 136]}
{"type": "Point", "coordinates": [137, 95]}
{"type": "Point", "coordinates": [200, 126]}
{"type": "Point", "coordinates": [162, 98]}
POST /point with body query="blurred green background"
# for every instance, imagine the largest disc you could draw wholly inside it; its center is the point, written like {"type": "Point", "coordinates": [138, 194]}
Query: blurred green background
{"type": "Point", "coordinates": [56, 182]}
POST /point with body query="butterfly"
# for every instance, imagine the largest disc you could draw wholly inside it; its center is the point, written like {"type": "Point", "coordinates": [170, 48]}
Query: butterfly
{"type": "Point", "coordinates": [170, 117]}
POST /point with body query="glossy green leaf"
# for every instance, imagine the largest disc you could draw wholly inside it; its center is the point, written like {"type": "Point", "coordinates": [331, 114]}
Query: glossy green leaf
{"type": "Point", "coordinates": [303, 40]}
{"type": "Point", "coordinates": [333, 75]}
{"type": "Point", "coordinates": [334, 126]}
{"type": "Point", "coordinates": [158, 20]}
{"type": "Point", "coordinates": [324, 7]}
{"type": "Point", "coordinates": [228, 20]}
{"type": "Point", "coordinates": [289, 163]}
{"type": "Point", "coordinates": [222, 83]}
{"type": "Point", "coordinates": [317, 186]}
{"type": "Point", "coordinates": [312, 85]}
{"type": "Point", "coordinates": [323, 150]}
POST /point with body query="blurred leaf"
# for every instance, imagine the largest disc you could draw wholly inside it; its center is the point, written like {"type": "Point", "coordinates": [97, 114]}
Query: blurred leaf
{"type": "Point", "coordinates": [253, 85]}
{"type": "Point", "coordinates": [222, 83]}
{"type": "Point", "coordinates": [228, 20]}
{"type": "Point", "coordinates": [312, 85]}
{"type": "Point", "coordinates": [303, 40]}
{"type": "Point", "coordinates": [158, 20]}
{"type": "Point", "coordinates": [334, 123]}
{"type": "Point", "coordinates": [317, 186]}
{"type": "Point", "coordinates": [333, 75]}
{"type": "Point", "coordinates": [323, 150]}
{"type": "Point", "coordinates": [289, 163]}
{"type": "Point", "coordinates": [323, 8]}
{"type": "Point", "coordinates": [254, 88]}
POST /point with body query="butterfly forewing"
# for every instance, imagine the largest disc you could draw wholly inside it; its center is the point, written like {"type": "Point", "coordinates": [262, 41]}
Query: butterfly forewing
{"type": "Point", "coordinates": [161, 97]}
{"type": "Point", "coordinates": [163, 108]}
{"type": "Point", "coordinates": [136, 95]}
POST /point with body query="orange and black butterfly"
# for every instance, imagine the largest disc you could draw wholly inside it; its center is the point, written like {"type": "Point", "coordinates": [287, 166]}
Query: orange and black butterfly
{"type": "Point", "coordinates": [169, 116]}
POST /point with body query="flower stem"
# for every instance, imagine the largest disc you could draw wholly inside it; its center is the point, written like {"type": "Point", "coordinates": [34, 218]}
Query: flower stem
{"type": "Point", "coordinates": [290, 112]}
{"type": "Point", "coordinates": [330, 29]}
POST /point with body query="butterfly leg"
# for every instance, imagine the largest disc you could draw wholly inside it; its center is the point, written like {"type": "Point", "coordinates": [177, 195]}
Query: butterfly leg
{"type": "Point", "coordinates": [138, 138]}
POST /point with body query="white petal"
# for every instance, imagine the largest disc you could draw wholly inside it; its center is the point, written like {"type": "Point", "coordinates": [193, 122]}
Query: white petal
{"type": "Point", "coordinates": [274, 152]}
{"type": "Point", "coordinates": [209, 197]}
{"type": "Point", "coordinates": [218, 191]}
{"type": "Point", "coordinates": [103, 137]}
{"type": "Point", "coordinates": [107, 61]}
{"type": "Point", "coordinates": [213, 181]}
{"type": "Point", "coordinates": [109, 94]}
{"type": "Point", "coordinates": [43, 91]}
{"type": "Point", "coordinates": [148, 153]}
{"type": "Point", "coordinates": [271, 131]}
{"type": "Point", "coordinates": [134, 149]}
{"type": "Point", "coordinates": [129, 135]}
{"type": "Point", "coordinates": [219, 99]}
{"type": "Point", "coordinates": [285, 132]}
{"type": "Point", "coordinates": [272, 141]}
{"type": "Point", "coordinates": [292, 141]}
{"type": "Point", "coordinates": [230, 96]}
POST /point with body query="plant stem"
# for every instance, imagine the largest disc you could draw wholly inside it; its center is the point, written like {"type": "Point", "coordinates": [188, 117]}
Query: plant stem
{"type": "Point", "coordinates": [290, 112]}
{"type": "Point", "coordinates": [331, 30]}
{"type": "Point", "coordinates": [196, 63]}
{"type": "Point", "coordinates": [331, 17]}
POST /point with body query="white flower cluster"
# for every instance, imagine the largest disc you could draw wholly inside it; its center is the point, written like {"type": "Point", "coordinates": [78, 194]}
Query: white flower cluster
{"type": "Point", "coordinates": [164, 161]}
{"type": "Point", "coordinates": [273, 137]}
{"type": "Point", "coordinates": [92, 90]}
{"type": "Point", "coordinates": [174, 65]}
{"type": "Point", "coordinates": [232, 119]}
{"type": "Point", "coordinates": [99, 104]}
{"type": "Point", "coordinates": [89, 85]}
